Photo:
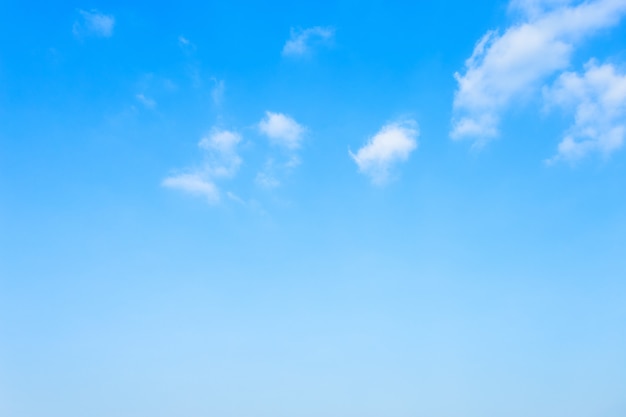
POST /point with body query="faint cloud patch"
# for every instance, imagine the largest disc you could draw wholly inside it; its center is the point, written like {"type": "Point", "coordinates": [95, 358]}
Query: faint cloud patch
{"type": "Point", "coordinates": [217, 92]}
{"type": "Point", "coordinates": [234, 197]}
{"type": "Point", "coordinates": [169, 85]}
{"type": "Point", "coordinates": [185, 44]}
{"type": "Point", "coordinates": [301, 41]}
{"type": "Point", "coordinates": [266, 178]}
{"type": "Point", "coordinates": [151, 89]}
{"type": "Point", "coordinates": [222, 160]}
{"type": "Point", "coordinates": [93, 23]}
{"type": "Point", "coordinates": [146, 101]}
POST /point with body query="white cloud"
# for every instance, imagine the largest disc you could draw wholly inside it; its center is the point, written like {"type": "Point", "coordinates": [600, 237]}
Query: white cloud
{"type": "Point", "coordinates": [221, 161]}
{"type": "Point", "coordinates": [300, 41]}
{"type": "Point", "coordinates": [94, 23]}
{"type": "Point", "coordinates": [513, 65]}
{"type": "Point", "coordinates": [282, 130]}
{"type": "Point", "coordinates": [391, 145]}
{"type": "Point", "coordinates": [598, 98]}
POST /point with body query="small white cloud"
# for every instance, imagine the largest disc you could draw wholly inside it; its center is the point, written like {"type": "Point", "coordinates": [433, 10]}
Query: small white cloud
{"type": "Point", "coordinates": [391, 145]}
{"type": "Point", "coordinates": [598, 98]}
{"type": "Point", "coordinates": [146, 101]}
{"type": "Point", "coordinates": [301, 40]}
{"type": "Point", "coordinates": [282, 130]}
{"type": "Point", "coordinates": [94, 23]}
{"type": "Point", "coordinates": [221, 162]}
{"type": "Point", "coordinates": [515, 64]}
{"type": "Point", "coordinates": [194, 183]}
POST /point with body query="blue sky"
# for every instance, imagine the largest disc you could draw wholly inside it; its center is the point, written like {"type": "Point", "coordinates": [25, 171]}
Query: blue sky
{"type": "Point", "coordinates": [313, 209]}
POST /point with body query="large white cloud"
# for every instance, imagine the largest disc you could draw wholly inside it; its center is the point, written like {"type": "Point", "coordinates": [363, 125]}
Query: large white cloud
{"type": "Point", "coordinates": [391, 145]}
{"type": "Point", "coordinates": [94, 23]}
{"type": "Point", "coordinates": [301, 40]}
{"type": "Point", "coordinates": [598, 98]}
{"type": "Point", "coordinates": [516, 63]}
{"type": "Point", "coordinates": [221, 160]}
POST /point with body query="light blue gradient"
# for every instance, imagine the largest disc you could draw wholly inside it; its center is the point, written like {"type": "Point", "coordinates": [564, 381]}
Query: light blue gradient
{"type": "Point", "coordinates": [477, 283]}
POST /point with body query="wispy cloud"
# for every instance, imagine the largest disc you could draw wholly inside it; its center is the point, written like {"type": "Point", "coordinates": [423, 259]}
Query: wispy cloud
{"type": "Point", "coordinates": [598, 98]}
{"type": "Point", "coordinates": [185, 44]}
{"type": "Point", "coordinates": [393, 144]}
{"type": "Point", "coordinates": [194, 183]}
{"type": "Point", "coordinates": [509, 66]}
{"type": "Point", "coordinates": [217, 92]}
{"type": "Point", "coordinates": [93, 23]}
{"type": "Point", "coordinates": [146, 101]}
{"type": "Point", "coordinates": [221, 161]}
{"type": "Point", "coordinates": [267, 177]}
{"type": "Point", "coordinates": [534, 8]}
{"type": "Point", "coordinates": [301, 41]}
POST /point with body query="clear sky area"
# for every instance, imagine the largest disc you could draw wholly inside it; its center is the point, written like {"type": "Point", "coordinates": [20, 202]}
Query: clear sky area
{"type": "Point", "coordinates": [313, 209]}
